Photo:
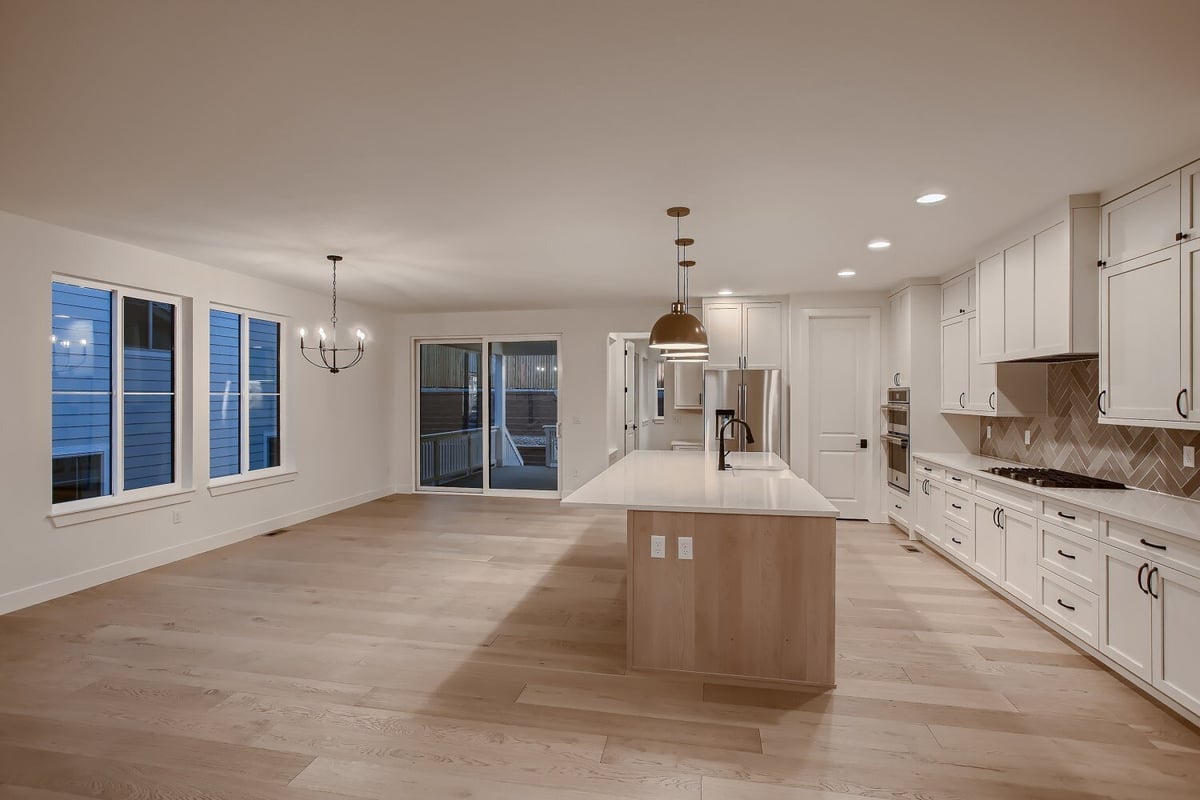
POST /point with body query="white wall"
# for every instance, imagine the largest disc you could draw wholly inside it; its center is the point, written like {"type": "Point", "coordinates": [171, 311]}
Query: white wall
{"type": "Point", "coordinates": [583, 375]}
{"type": "Point", "coordinates": [333, 428]}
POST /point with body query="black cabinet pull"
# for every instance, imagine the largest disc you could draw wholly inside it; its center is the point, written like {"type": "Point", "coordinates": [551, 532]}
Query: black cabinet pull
{"type": "Point", "coordinates": [956, 505]}
{"type": "Point", "coordinates": [1150, 583]}
{"type": "Point", "coordinates": [927, 469]}
{"type": "Point", "coordinates": [1142, 571]}
{"type": "Point", "coordinates": [956, 541]}
{"type": "Point", "coordinates": [1100, 403]}
{"type": "Point", "coordinates": [996, 516]}
{"type": "Point", "coordinates": [956, 479]}
{"type": "Point", "coordinates": [992, 401]}
{"type": "Point", "coordinates": [1064, 605]}
{"type": "Point", "coordinates": [1065, 515]}
{"type": "Point", "coordinates": [1000, 518]}
{"type": "Point", "coordinates": [962, 400]}
{"type": "Point", "coordinates": [1179, 237]}
{"type": "Point", "coordinates": [1065, 555]}
{"type": "Point", "coordinates": [1178, 397]}
{"type": "Point", "coordinates": [1152, 544]}
{"type": "Point", "coordinates": [896, 379]}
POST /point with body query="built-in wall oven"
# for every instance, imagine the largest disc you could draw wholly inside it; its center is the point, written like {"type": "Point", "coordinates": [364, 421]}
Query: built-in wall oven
{"type": "Point", "coordinates": [895, 440]}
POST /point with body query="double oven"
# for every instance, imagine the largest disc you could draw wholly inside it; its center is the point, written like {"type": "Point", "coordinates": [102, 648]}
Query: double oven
{"type": "Point", "coordinates": [895, 440]}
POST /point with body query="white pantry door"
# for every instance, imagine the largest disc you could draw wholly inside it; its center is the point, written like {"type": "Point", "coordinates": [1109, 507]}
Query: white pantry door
{"type": "Point", "coordinates": [841, 407]}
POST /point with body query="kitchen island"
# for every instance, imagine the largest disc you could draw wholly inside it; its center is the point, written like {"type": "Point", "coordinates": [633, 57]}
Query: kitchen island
{"type": "Point", "coordinates": [741, 583]}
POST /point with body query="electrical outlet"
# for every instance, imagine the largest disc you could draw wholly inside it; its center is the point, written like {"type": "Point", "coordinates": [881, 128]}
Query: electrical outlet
{"type": "Point", "coordinates": [989, 431]}
{"type": "Point", "coordinates": [1189, 456]}
{"type": "Point", "coordinates": [176, 516]}
{"type": "Point", "coordinates": [658, 546]}
{"type": "Point", "coordinates": [685, 548]}
{"type": "Point", "coordinates": [576, 420]}
{"type": "Point", "coordinates": [1028, 438]}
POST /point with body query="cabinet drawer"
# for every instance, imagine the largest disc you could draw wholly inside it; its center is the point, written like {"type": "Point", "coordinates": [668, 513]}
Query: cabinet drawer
{"type": "Point", "coordinates": [923, 469]}
{"type": "Point", "coordinates": [960, 542]}
{"type": "Point", "coordinates": [1075, 609]}
{"type": "Point", "coordinates": [960, 480]}
{"type": "Point", "coordinates": [1073, 518]}
{"type": "Point", "coordinates": [960, 509]}
{"type": "Point", "coordinates": [1005, 496]}
{"type": "Point", "coordinates": [899, 507]}
{"type": "Point", "coordinates": [1164, 548]}
{"type": "Point", "coordinates": [1069, 555]}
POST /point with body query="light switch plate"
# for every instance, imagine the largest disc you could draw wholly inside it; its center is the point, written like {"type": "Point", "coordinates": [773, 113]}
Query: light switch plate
{"type": "Point", "coordinates": [1028, 437]}
{"type": "Point", "coordinates": [989, 431]}
{"type": "Point", "coordinates": [1189, 456]}
{"type": "Point", "coordinates": [658, 546]}
{"type": "Point", "coordinates": [685, 548]}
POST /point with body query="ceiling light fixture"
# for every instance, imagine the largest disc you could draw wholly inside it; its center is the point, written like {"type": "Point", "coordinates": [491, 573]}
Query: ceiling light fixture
{"type": "Point", "coordinates": [879, 244]}
{"type": "Point", "coordinates": [725, 292]}
{"type": "Point", "coordinates": [329, 353]}
{"type": "Point", "coordinates": [931, 198]}
{"type": "Point", "coordinates": [847, 273]}
{"type": "Point", "coordinates": [679, 330]}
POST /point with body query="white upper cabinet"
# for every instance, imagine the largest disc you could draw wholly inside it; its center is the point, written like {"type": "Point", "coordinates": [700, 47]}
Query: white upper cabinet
{"type": "Point", "coordinates": [972, 386]}
{"type": "Point", "coordinates": [956, 364]}
{"type": "Point", "coordinates": [723, 324]}
{"type": "Point", "coordinates": [1142, 222]}
{"type": "Point", "coordinates": [1189, 201]}
{"type": "Point", "coordinates": [1037, 289]}
{"type": "Point", "coordinates": [762, 337]}
{"type": "Point", "coordinates": [958, 295]}
{"type": "Point", "coordinates": [744, 335]}
{"type": "Point", "coordinates": [689, 384]}
{"type": "Point", "coordinates": [1145, 342]}
{"type": "Point", "coordinates": [981, 382]}
{"type": "Point", "coordinates": [899, 345]}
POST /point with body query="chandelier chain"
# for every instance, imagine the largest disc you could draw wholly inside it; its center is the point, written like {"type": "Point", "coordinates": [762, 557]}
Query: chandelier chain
{"type": "Point", "coordinates": [333, 318]}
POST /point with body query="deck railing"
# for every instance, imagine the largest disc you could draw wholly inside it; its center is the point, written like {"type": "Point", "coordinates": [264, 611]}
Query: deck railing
{"type": "Point", "coordinates": [450, 455]}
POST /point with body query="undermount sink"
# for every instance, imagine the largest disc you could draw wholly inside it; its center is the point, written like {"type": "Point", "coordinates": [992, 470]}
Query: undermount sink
{"type": "Point", "coordinates": [757, 461]}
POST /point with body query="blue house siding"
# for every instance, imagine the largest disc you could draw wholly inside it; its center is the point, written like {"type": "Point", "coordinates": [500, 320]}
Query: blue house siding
{"type": "Point", "coordinates": [224, 386]}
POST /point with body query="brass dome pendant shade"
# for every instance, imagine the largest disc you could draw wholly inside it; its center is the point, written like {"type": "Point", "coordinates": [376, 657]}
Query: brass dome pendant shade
{"type": "Point", "coordinates": [679, 330]}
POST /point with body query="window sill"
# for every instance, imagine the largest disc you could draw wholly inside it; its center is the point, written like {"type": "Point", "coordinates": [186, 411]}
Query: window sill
{"type": "Point", "coordinates": [242, 483]}
{"type": "Point", "coordinates": [64, 517]}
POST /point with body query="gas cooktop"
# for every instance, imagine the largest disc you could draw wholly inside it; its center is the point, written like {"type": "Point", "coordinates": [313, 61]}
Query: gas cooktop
{"type": "Point", "coordinates": [1053, 478]}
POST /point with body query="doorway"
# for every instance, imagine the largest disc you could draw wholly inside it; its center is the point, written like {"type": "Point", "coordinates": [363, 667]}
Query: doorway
{"type": "Point", "coordinates": [839, 377]}
{"type": "Point", "coordinates": [512, 383]}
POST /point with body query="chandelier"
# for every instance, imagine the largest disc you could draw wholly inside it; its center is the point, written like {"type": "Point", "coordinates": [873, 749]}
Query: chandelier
{"type": "Point", "coordinates": [326, 347]}
{"type": "Point", "coordinates": [679, 334]}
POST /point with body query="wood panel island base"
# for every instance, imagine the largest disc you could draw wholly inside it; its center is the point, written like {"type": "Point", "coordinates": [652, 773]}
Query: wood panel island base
{"type": "Point", "coordinates": [755, 601]}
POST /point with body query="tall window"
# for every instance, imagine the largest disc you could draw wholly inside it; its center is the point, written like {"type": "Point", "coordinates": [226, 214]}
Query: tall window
{"type": "Point", "coordinates": [114, 420]}
{"type": "Point", "coordinates": [244, 393]}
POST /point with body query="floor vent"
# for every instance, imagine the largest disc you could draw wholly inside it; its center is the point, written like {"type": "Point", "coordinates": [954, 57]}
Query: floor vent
{"type": "Point", "coordinates": [912, 548]}
{"type": "Point", "coordinates": [277, 532]}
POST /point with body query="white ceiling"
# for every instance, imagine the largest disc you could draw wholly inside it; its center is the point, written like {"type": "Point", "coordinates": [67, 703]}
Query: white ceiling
{"type": "Point", "coordinates": [522, 154]}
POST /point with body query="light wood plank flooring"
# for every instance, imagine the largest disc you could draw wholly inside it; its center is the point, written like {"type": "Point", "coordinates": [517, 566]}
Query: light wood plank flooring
{"type": "Point", "coordinates": [443, 647]}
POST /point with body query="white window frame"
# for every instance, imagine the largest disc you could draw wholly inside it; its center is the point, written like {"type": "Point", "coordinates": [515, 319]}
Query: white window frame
{"type": "Point", "coordinates": [121, 496]}
{"type": "Point", "coordinates": [246, 478]}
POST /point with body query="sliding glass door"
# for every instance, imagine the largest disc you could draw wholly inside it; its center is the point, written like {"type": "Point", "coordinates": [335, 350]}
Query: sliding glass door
{"type": "Point", "coordinates": [515, 389]}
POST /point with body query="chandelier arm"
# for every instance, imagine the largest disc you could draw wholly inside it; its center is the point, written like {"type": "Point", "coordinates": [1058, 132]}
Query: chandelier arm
{"type": "Point", "coordinates": [357, 359]}
{"type": "Point", "coordinates": [309, 360]}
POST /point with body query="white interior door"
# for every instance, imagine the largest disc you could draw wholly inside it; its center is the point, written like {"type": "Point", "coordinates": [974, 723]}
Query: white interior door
{"type": "Point", "coordinates": [841, 406]}
{"type": "Point", "coordinates": [631, 415]}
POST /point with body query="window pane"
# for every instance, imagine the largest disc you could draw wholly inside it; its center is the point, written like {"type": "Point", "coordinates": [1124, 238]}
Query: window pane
{"type": "Point", "coordinates": [264, 356]}
{"type": "Point", "coordinates": [224, 383]}
{"type": "Point", "coordinates": [149, 440]}
{"type": "Point", "coordinates": [81, 387]}
{"type": "Point", "coordinates": [225, 434]}
{"type": "Point", "coordinates": [147, 368]}
{"type": "Point", "coordinates": [264, 431]}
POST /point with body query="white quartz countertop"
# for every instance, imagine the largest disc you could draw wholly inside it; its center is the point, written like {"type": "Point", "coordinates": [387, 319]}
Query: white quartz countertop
{"type": "Point", "coordinates": [688, 481]}
{"type": "Point", "coordinates": [1165, 512]}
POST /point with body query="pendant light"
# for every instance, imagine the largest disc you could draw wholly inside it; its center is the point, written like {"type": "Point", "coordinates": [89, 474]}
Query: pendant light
{"type": "Point", "coordinates": [679, 330]}
{"type": "Point", "coordinates": [328, 353]}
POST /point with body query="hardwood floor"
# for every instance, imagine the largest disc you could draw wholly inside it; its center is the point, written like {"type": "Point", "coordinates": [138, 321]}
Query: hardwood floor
{"type": "Point", "coordinates": [438, 647]}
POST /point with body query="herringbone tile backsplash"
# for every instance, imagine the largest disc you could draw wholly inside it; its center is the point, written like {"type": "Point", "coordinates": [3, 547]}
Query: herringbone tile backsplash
{"type": "Point", "coordinates": [1071, 439]}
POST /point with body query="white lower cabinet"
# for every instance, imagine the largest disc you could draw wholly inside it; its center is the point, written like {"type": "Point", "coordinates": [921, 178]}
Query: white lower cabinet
{"type": "Point", "coordinates": [1176, 597]}
{"type": "Point", "coordinates": [899, 508]}
{"type": "Point", "coordinates": [1129, 591]}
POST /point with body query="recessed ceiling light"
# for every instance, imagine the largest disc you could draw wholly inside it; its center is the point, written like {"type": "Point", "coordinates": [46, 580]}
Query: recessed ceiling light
{"type": "Point", "coordinates": [931, 198]}
{"type": "Point", "coordinates": [725, 291]}
{"type": "Point", "coordinates": [847, 273]}
{"type": "Point", "coordinates": [879, 244]}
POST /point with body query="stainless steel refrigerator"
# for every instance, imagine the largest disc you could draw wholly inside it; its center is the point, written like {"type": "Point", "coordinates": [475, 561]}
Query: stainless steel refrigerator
{"type": "Point", "coordinates": [755, 395]}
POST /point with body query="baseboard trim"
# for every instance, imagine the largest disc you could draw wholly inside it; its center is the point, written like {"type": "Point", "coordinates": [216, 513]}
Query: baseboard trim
{"type": "Point", "coordinates": [60, 587]}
